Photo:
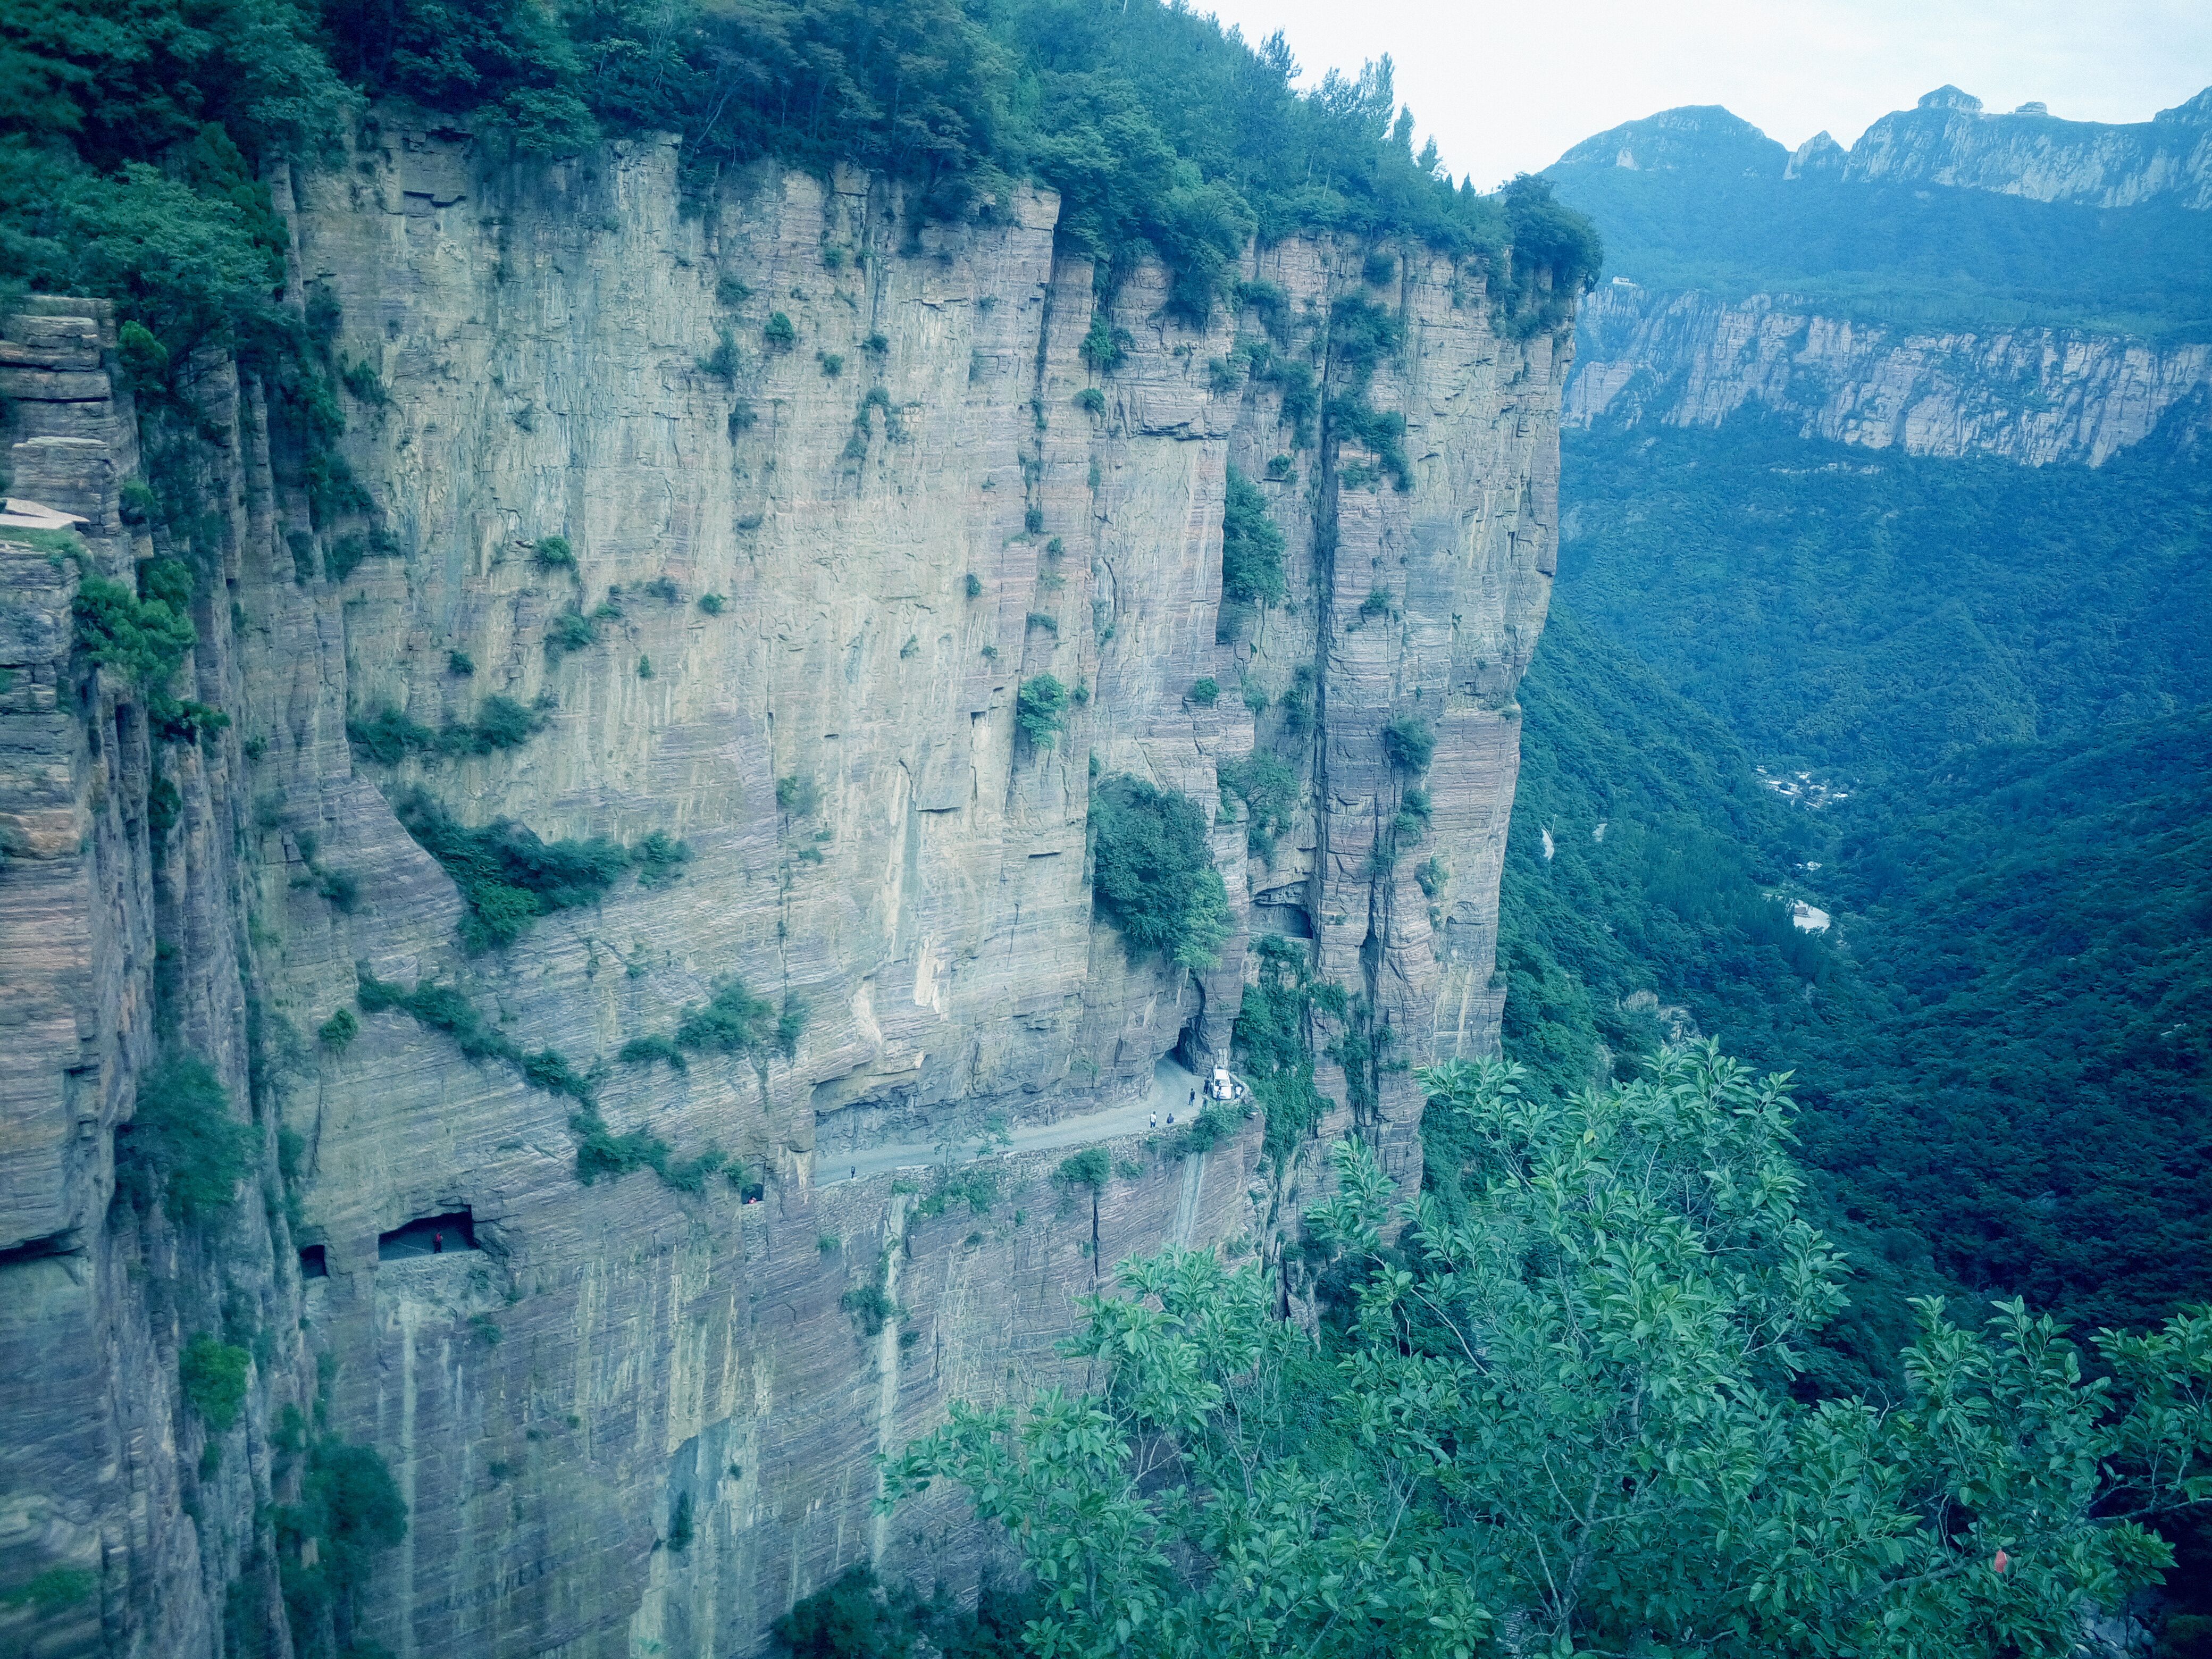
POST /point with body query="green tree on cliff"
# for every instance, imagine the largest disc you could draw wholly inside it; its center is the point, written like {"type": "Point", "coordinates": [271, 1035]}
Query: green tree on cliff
{"type": "Point", "coordinates": [1558, 1421]}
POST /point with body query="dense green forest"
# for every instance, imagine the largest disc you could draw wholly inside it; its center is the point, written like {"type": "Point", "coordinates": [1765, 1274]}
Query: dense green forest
{"type": "Point", "coordinates": [1924, 259]}
{"type": "Point", "coordinates": [1641, 836]}
{"type": "Point", "coordinates": [2020, 1066]}
{"type": "Point", "coordinates": [1870, 614]}
{"type": "Point", "coordinates": [1997, 680]}
{"type": "Point", "coordinates": [1554, 1415]}
{"type": "Point", "coordinates": [2003, 1042]}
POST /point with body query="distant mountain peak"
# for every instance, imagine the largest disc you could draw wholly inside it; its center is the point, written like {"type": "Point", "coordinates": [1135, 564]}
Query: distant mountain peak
{"type": "Point", "coordinates": [2197, 112]}
{"type": "Point", "coordinates": [1948, 139]}
{"type": "Point", "coordinates": [1699, 139]}
{"type": "Point", "coordinates": [1819, 156]}
{"type": "Point", "coordinates": [1949, 97]}
{"type": "Point", "coordinates": [2031, 153]}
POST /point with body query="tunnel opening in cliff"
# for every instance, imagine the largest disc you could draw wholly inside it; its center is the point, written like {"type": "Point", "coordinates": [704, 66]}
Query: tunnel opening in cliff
{"type": "Point", "coordinates": [1192, 1052]}
{"type": "Point", "coordinates": [430, 1235]}
{"type": "Point", "coordinates": [315, 1263]}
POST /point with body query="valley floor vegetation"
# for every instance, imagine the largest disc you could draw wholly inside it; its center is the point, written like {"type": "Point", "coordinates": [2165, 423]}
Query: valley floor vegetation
{"type": "Point", "coordinates": [2003, 1044]}
{"type": "Point", "coordinates": [1554, 1407]}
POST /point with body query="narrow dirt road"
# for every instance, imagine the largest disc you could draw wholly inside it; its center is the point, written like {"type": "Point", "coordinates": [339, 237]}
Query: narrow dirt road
{"type": "Point", "coordinates": [1172, 1088]}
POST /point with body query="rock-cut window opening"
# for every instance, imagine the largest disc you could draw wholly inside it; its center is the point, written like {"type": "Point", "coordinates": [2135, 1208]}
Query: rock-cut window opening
{"type": "Point", "coordinates": [313, 1264]}
{"type": "Point", "coordinates": [431, 1235]}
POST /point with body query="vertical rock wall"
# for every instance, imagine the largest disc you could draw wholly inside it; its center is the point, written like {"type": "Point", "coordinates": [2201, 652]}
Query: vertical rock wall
{"type": "Point", "coordinates": [127, 1526]}
{"type": "Point", "coordinates": [638, 1417]}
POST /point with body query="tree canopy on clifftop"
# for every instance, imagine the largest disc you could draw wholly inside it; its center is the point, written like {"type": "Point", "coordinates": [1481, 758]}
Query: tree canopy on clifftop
{"type": "Point", "coordinates": [136, 140]}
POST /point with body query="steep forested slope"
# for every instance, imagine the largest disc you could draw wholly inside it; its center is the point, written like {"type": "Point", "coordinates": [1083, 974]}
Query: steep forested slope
{"type": "Point", "coordinates": [2020, 1066]}
{"type": "Point", "coordinates": [1641, 837]}
{"type": "Point", "coordinates": [1873, 613]}
{"type": "Point", "coordinates": [1998, 672]}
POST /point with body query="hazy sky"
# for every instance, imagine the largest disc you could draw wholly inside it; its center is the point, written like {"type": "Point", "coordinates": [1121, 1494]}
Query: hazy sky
{"type": "Point", "coordinates": [1506, 87]}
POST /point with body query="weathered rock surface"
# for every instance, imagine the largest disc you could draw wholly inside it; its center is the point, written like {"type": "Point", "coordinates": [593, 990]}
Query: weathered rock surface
{"type": "Point", "coordinates": [1948, 139]}
{"type": "Point", "coordinates": [119, 922]}
{"type": "Point", "coordinates": [574, 353]}
{"type": "Point", "coordinates": [2030, 395]}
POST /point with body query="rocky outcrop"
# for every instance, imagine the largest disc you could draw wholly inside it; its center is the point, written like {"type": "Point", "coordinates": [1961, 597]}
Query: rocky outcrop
{"type": "Point", "coordinates": [642, 1414]}
{"type": "Point", "coordinates": [2030, 395]}
{"type": "Point", "coordinates": [2033, 395]}
{"type": "Point", "coordinates": [1948, 139]}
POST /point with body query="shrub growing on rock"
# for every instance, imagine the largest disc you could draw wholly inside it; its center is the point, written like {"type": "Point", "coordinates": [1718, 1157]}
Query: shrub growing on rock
{"type": "Point", "coordinates": [144, 639]}
{"type": "Point", "coordinates": [1269, 790]}
{"type": "Point", "coordinates": [213, 1373]}
{"type": "Point", "coordinates": [508, 876]}
{"type": "Point", "coordinates": [1088, 1168]}
{"type": "Point", "coordinates": [502, 723]}
{"type": "Point", "coordinates": [569, 631]}
{"type": "Point", "coordinates": [1251, 546]}
{"type": "Point", "coordinates": [1410, 742]}
{"type": "Point", "coordinates": [1153, 874]}
{"type": "Point", "coordinates": [1039, 710]}
{"type": "Point", "coordinates": [735, 1023]}
{"type": "Point", "coordinates": [183, 1137]}
{"type": "Point", "coordinates": [872, 1305]}
{"type": "Point", "coordinates": [350, 1506]}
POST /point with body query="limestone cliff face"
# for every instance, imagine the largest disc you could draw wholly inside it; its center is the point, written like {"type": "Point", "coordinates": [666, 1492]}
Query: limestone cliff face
{"type": "Point", "coordinates": [2030, 395]}
{"type": "Point", "coordinates": [1949, 140]}
{"type": "Point", "coordinates": [122, 911]}
{"type": "Point", "coordinates": [639, 1419]}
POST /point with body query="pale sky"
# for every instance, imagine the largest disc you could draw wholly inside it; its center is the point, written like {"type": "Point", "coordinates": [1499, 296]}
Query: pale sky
{"type": "Point", "coordinates": [1505, 88]}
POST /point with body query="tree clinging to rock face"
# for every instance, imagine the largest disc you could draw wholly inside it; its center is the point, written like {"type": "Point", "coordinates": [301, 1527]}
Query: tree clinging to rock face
{"type": "Point", "coordinates": [1557, 1419]}
{"type": "Point", "coordinates": [1153, 874]}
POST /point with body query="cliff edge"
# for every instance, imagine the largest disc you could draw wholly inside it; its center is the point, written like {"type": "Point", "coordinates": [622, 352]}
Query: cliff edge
{"type": "Point", "coordinates": [682, 570]}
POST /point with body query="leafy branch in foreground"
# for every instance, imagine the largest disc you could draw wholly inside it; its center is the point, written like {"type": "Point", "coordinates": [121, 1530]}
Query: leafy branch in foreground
{"type": "Point", "coordinates": [1556, 1417]}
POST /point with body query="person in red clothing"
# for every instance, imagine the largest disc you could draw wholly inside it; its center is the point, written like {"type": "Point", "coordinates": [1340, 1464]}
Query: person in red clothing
{"type": "Point", "coordinates": [437, 1243]}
